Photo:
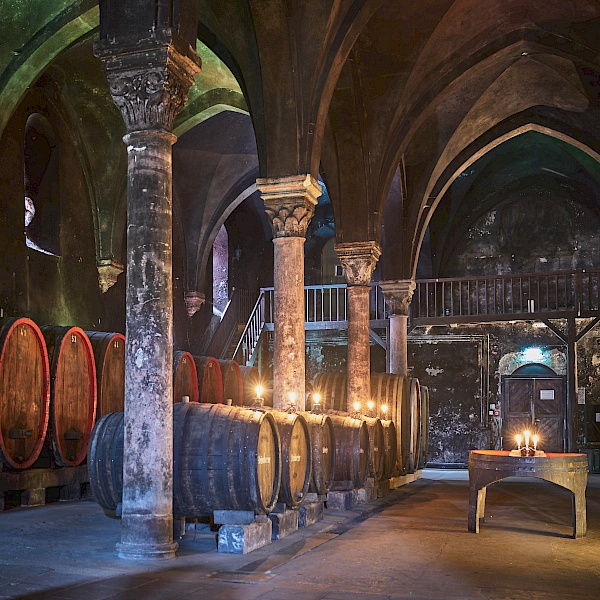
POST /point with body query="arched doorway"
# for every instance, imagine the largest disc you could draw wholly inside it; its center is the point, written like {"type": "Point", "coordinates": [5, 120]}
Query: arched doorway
{"type": "Point", "coordinates": [533, 397]}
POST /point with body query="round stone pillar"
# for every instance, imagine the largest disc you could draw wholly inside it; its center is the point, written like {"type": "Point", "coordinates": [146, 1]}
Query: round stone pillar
{"type": "Point", "coordinates": [358, 260]}
{"type": "Point", "coordinates": [149, 81]}
{"type": "Point", "coordinates": [398, 294]}
{"type": "Point", "coordinates": [289, 203]}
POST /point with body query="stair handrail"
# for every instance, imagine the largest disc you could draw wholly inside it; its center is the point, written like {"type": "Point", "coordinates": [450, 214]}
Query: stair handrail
{"type": "Point", "coordinates": [252, 331]}
{"type": "Point", "coordinates": [225, 330]}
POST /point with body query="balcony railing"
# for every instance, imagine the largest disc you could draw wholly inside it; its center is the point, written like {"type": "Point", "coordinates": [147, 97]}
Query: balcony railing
{"type": "Point", "coordinates": [557, 294]}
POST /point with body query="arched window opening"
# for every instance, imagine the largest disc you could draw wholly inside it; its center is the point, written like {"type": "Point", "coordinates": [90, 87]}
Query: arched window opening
{"type": "Point", "coordinates": [220, 272]}
{"type": "Point", "coordinates": [42, 202]}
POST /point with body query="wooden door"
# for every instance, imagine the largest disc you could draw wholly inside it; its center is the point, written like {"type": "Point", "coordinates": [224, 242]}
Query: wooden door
{"type": "Point", "coordinates": [536, 404]}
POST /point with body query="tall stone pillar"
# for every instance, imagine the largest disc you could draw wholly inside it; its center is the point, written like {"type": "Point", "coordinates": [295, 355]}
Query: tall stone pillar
{"type": "Point", "coordinates": [289, 203]}
{"type": "Point", "coordinates": [398, 294]}
{"type": "Point", "coordinates": [149, 82]}
{"type": "Point", "coordinates": [358, 260]}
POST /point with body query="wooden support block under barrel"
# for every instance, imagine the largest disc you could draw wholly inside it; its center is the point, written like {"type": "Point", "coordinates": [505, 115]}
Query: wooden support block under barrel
{"type": "Point", "coordinates": [24, 392]}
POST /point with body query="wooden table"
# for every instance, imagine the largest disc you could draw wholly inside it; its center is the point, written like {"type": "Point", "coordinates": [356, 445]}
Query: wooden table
{"type": "Point", "coordinates": [567, 470]}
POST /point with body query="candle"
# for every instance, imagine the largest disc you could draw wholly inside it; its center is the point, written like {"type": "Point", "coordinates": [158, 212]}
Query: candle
{"type": "Point", "coordinates": [527, 433]}
{"type": "Point", "coordinates": [259, 391]}
{"type": "Point", "coordinates": [316, 398]}
{"type": "Point", "coordinates": [370, 404]}
{"type": "Point", "coordinates": [535, 439]}
{"type": "Point", "coordinates": [519, 439]}
{"type": "Point", "coordinates": [357, 406]}
{"type": "Point", "coordinates": [292, 397]}
{"type": "Point", "coordinates": [384, 409]}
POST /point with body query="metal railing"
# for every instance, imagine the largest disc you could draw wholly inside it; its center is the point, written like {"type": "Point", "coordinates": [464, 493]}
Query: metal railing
{"type": "Point", "coordinates": [558, 292]}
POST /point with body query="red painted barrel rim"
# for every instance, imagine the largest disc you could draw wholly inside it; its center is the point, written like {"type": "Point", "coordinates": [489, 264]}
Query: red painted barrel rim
{"type": "Point", "coordinates": [45, 415]}
{"type": "Point", "coordinates": [92, 400]}
{"type": "Point", "coordinates": [184, 353]}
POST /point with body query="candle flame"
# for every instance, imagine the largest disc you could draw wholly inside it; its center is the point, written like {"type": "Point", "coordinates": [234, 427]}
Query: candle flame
{"type": "Point", "coordinates": [357, 406]}
{"type": "Point", "coordinates": [259, 391]}
{"type": "Point", "coordinates": [292, 397]}
{"type": "Point", "coordinates": [384, 408]}
{"type": "Point", "coordinates": [519, 439]}
{"type": "Point", "coordinates": [370, 404]}
{"type": "Point", "coordinates": [316, 398]}
{"type": "Point", "coordinates": [535, 439]}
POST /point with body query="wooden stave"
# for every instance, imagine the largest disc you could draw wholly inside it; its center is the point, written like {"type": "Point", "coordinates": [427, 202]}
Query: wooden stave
{"type": "Point", "coordinates": [184, 363]}
{"type": "Point", "coordinates": [210, 380]}
{"type": "Point", "coordinates": [106, 451]}
{"type": "Point", "coordinates": [9, 325]}
{"type": "Point", "coordinates": [322, 438]}
{"type": "Point", "coordinates": [250, 379]}
{"type": "Point", "coordinates": [415, 424]}
{"type": "Point", "coordinates": [56, 335]}
{"type": "Point", "coordinates": [424, 424]}
{"type": "Point", "coordinates": [376, 447]}
{"type": "Point", "coordinates": [101, 342]}
{"type": "Point", "coordinates": [204, 493]}
{"type": "Point", "coordinates": [332, 387]}
{"type": "Point", "coordinates": [290, 425]}
{"type": "Point", "coordinates": [351, 442]}
{"type": "Point", "coordinates": [390, 460]}
{"type": "Point", "coordinates": [233, 387]}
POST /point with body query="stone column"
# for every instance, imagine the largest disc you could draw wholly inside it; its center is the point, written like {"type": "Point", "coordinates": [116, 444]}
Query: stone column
{"type": "Point", "coordinates": [149, 81]}
{"type": "Point", "coordinates": [398, 294]}
{"type": "Point", "coordinates": [358, 260]}
{"type": "Point", "coordinates": [289, 203]}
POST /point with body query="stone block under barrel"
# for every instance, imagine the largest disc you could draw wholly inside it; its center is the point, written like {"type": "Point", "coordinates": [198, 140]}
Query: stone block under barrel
{"type": "Point", "coordinates": [185, 376]}
{"type": "Point", "coordinates": [210, 380]}
{"type": "Point", "coordinates": [322, 438]}
{"type": "Point", "coordinates": [24, 392]}
{"type": "Point", "coordinates": [109, 356]}
{"type": "Point", "coordinates": [351, 452]}
{"type": "Point", "coordinates": [224, 458]}
{"type": "Point", "coordinates": [233, 388]}
{"type": "Point", "coordinates": [72, 393]}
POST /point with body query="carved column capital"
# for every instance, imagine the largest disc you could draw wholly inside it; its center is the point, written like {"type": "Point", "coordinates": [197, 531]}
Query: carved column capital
{"type": "Point", "coordinates": [358, 260]}
{"type": "Point", "coordinates": [149, 79]}
{"type": "Point", "coordinates": [108, 271]}
{"type": "Point", "coordinates": [398, 294]}
{"type": "Point", "coordinates": [290, 203]}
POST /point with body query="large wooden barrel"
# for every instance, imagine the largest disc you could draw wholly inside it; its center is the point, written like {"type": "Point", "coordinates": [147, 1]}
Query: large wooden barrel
{"type": "Point", "coordinates": [322, 439]}
{"type": "Point", "coordinates": [415, 424]}
{"type": "Point", "coordinates": [109, 356]}
{"type": "Point", "coordinates": [185, 376]}
{"type": "Point", "coordinates": [296, 457]}
{"type": "Point", "coordinates": [72, 393]}
{"type": "Point", "coordinates": [24, 392]}
{"type": "Point", "coordinates": [424, 445]}
{"type": "Point", "coordinates": [332, 387]}
{"type": "Point", "coordinates": [233, 388]}
{"type": "Point", "coordinates": [209, 441]}
{"type": "Point", "coordinates": [105, 461]}
{"type": "Point", "coordinates": [210, 380]}
{"type": "Point", "coordinates": [390, 449]}
{"type": "Point", "coordinates": [250, 380]}
{"type": "Point", "coordinates": [351, 452]}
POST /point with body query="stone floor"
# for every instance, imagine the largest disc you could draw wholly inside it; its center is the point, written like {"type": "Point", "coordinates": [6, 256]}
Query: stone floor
{"type": "Point", "coordinates": [412, 544]}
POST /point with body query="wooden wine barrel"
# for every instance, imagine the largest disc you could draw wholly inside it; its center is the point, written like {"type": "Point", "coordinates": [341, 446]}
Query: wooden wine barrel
{"type": "Point", "coordinates": [250, 379]}
{"type": "Point", "coordinates": [322, 440]}
{"type": "Point", "coordinates": [296, 457]}
{"type": "Point", "coordinates": [208, 475]}
{"type": "Point", "coordinates": [232, 382]}
{"type": "Point", "coordinates": [24, 392]}
{"type": "Point", "coordinates": [109, 356]}
{"type": "Point", "coordinates": [351, 452]}
{"type": "Point", "coordinates": [210, 380]}
{"type": "Point", "coordinates": [390, 449]}
{"type": "Point", "coordinates": [185, 376]}
{"type": "Point", "coordinates": [376, 446]}
{"type": "Point", "coordinates": [332, 387]}
{"type": "Point", "coordinates": [72, 393]}
{"type": "Point", "coordinates": [424, 445]}
{"type": "Point", "coordinates": [105, 461]}
{"type": "Point", "coordinates": [415, 424]}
